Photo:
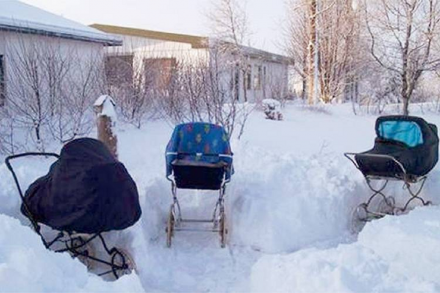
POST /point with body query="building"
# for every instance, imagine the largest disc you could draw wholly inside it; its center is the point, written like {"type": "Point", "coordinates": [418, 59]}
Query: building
{"type": "Point", "coordinates": [265, 75]}
{"type": "Point", "coordinates": [26, 30]}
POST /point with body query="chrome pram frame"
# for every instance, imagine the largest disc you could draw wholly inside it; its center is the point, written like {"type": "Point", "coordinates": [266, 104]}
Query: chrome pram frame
{"type": "Point", "coordinates": [79, 245]}
{"type": "Point", "coordinates": [175, 220]}
{"type": "Point", "coordinates": [363, 213]}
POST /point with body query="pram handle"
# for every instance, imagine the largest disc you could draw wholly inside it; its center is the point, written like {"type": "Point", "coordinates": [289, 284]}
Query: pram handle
{"type": "Point", "coordinates": [9, 166]}
{"type": "Point", "coordinates": [12, 157]}
{"type": "Point", "coordinates": [351, 156]}
{"type": "Point", "coordinates": [198, 154]}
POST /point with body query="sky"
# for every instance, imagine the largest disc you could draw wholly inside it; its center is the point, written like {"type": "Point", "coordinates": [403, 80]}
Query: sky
{"type": "Point", "coordinates": [178, 16]}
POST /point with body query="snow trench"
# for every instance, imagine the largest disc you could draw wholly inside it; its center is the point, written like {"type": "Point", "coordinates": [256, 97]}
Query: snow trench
{"type": "Point", "coordinates": [289, 217]}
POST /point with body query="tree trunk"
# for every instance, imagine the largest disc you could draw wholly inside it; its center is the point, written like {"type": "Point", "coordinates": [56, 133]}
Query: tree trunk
{"type": "Point", "coordinates": [311, 54]}
{"type": "Point", "coordinates": [404, 94]}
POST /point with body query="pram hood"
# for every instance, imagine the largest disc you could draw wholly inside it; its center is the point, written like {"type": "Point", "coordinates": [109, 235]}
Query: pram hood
{"type": "Point", "coordinates": [199, 142]}
{"type": "Point", "coordinates": [409, 130]}
{"type": "Point", "coordinates": [86, 191]}
{"type": "Point", "coordinates": [410, 140]}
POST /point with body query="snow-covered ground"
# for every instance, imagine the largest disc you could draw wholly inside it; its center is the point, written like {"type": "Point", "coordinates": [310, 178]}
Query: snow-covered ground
{"type": "Point", "coordinates": [289, 207]}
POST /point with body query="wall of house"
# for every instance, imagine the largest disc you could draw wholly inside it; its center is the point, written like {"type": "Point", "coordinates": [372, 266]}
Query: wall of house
{"type": "Point", "coordinates": [78, 55]}
{"type": "Point", "coordinates": [261, 80]}
{"type": "Point", "coordinates": [268, 79]}
{"type": "Point", "coordinates": [142, 48]}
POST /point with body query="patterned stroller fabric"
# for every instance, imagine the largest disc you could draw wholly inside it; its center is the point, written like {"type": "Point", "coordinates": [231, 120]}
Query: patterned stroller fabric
{"type": "Point", "coordinates": [199, 142]}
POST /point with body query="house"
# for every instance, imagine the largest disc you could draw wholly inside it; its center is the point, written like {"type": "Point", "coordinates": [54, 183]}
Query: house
{"type": "Point", "coordinates": [265, 75]}
{"type": "Point", "coordinates": [29, 32]}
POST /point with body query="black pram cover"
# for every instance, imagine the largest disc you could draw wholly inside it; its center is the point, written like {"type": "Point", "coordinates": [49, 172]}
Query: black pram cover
{"type": "Point", "coordinates": [416, 148]}
{"type": "Point", "coordinates": [86, 191]}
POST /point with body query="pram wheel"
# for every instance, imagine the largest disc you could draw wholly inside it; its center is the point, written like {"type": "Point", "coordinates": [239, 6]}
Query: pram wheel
{"type": "Point", "coordinates": [223, 230]}
{"type": "Point", "coordinates": [359, 218]}
{"type": "Point", "coordinates": [170, 227]}
{"type": "Point", "coordinates": [122, 263]}
{"type": "Point", "coordinates": [82, 250]}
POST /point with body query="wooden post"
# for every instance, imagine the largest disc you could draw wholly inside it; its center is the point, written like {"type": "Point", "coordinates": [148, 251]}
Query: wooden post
{"type": "Point", "coordinates": [106, 121]}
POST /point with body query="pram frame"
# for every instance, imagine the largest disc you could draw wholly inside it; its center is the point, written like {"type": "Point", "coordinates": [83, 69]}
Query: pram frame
{"type": "Point", "coordinates": [407, 179]}
{"type": "Point", "coordinates": [175, 219]}
{"type": "Point", "coordinates": [69, 238]}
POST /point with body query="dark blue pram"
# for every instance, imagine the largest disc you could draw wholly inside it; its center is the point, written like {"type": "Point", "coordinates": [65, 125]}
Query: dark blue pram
{"type": "Point", "coordinates": [86, 193]}
{"type": "Point", "coordinates": [198, 156]}
{"type": "Point", "coordinates": [405, 149]}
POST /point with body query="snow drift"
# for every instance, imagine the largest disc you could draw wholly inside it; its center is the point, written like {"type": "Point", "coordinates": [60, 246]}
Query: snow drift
{"type": "Point", "coordinates": [394, 254]}
{"type": "Point", "coordinates": [26, 266]}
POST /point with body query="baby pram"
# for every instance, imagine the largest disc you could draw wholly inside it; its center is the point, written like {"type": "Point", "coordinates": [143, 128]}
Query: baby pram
{"type": "Point", "coordinates": [198, 156]}
{"type": "Point", "coordinates": [87, 192]}
{"type": "Point", "coordinates": [405, 149]}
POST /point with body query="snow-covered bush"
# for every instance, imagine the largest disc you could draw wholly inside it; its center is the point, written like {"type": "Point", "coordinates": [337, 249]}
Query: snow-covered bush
{"type": "Point", "coordinates": [272, 109]}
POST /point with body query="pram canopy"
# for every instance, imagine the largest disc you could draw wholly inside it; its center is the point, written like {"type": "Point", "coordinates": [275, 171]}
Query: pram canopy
{"type": "Point", "coordinates": [196, 146]}
{"type": "Point", "coordinates": [86, 191]}
{"type": "Point", "coordinates": [410, 140]}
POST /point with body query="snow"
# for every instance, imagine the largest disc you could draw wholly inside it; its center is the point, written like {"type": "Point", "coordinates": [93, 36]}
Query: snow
{"type": "Point", "coordinates": [271, 103]}
{"type": "Point", "coordinates": [14, 13]}
{"type": "Point", "coordinates": [289, 207]}
{"type": "Point", "coordinates": [26, 266]}
{"type": "Point", "coordinates": [393, 254]}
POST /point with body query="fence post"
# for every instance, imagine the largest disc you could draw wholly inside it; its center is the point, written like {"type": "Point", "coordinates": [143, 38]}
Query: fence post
{"type": "Point", "coordinates": [106, 121]}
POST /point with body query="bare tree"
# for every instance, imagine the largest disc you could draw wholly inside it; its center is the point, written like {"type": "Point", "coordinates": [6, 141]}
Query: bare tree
{"type": "Point", "coordinates": [135, 77]}
{"type": "Point", "coordinates": [49, 91]}
{"type": "Point", "coordinates": [402, 34]}
{"type": "Point", "coordinates": [296, 35]}
{"type": "Point", "coordinates": [323, 37]}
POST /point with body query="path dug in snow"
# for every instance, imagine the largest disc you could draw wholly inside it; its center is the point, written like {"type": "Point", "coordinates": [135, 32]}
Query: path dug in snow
{"type": "Point", "coordinates": [289, 206]}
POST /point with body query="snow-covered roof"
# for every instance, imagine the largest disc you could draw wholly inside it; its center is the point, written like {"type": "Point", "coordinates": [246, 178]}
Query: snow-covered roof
{"type": "Point", "coordinates": [21, 17]}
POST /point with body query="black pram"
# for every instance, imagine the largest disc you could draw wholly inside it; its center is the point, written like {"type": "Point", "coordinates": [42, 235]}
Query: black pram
{"type": "Point", "coordinates": [406, 149]}
{"type": "Point", "coordinates": [87, 191]}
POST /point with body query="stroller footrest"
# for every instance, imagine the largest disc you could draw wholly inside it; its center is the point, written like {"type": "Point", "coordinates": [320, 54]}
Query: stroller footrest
{"type": "Point", "coordinates": [196, 221]}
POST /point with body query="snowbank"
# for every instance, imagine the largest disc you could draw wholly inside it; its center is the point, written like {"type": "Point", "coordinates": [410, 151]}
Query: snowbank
{"type": "Point", "coordinates": [26, 266]}
{"type": "Point", "coordinates": [394, 254]}
{"type": "Point", "coordinates": [293, 192]}
{"type": "Point", "coordinates": [280, 203]}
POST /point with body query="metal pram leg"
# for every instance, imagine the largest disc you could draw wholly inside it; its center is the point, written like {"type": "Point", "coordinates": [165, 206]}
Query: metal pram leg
{"type": "Point", "coordinates": [363, 212]}
{"type": "Point", "coordinates": [175, 220]}
{"type": "Point", "coordinates": [81, 247]}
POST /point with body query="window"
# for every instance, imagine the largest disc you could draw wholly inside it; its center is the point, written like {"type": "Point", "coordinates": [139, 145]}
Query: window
{"type": "Point", "coordinates": [119, 70]}
{"type": "Point", "coordinates": [158, 72]}
{"type": "Point", "coordinates": [257, 78]}
{"type": "Point", "coordinates": [237, 82]}
{"type": "Point", "coordinates": [248, 77]}
{"type": "Point", "coordinates": [2, 81]}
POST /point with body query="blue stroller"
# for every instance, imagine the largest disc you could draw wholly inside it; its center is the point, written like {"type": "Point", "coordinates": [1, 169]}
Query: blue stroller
{"type": "Point", "coordinates": [198, 156]}
{"type": "Point", "coordinates": [405, 149]}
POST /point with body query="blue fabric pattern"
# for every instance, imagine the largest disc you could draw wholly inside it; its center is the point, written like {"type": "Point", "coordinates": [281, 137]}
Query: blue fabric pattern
{"type": "Point", "coordinates": [408, 132]}
{"type": "Point", "coordinates": [199, 141]}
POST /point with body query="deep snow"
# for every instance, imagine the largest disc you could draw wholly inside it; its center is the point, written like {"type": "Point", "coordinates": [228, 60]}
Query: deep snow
{"type": "Point", "coordinates": [289, 206]}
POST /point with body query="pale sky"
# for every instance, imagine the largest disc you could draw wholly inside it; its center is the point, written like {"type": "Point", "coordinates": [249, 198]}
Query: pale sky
{"type": "Point", "coordinates": [179, 16]}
